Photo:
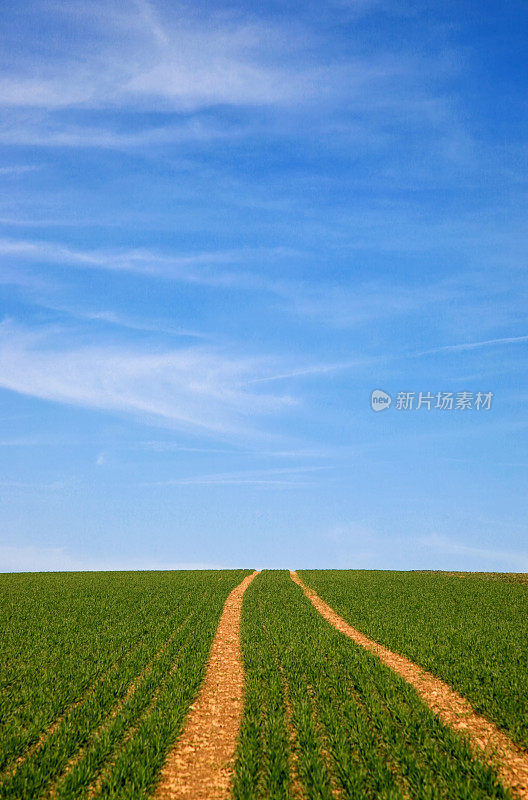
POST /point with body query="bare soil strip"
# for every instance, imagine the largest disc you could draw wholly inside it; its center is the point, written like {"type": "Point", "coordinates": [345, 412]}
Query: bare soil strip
{"type": "Point", "coordinates": [484, 737]}
{"type": "Point", "coordinates": [200, 765]}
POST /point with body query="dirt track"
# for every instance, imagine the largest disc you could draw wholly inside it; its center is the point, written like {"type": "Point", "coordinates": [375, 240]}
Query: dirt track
{"type": "Point", "coordinates": [200, 766]}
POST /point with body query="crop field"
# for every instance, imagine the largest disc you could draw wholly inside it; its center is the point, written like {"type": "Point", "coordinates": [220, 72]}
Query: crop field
{"type": "Point", "coordinates": [326, 719]}
{"type": "Point", "coordinates": [472, 631]}
{"type": "Point", "coordinates": [97, 673]}
{"type": "Point", "coordinates": [102, 674]}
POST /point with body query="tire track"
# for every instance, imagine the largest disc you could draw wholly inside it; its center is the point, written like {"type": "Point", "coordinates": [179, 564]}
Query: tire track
{"type": "Point", "coordinates": [510, 761]}
{"type": "Point", "coordinates": [200, 765]}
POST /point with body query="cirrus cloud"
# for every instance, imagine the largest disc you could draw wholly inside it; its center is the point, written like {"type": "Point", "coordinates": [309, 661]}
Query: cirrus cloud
{"type": "Point", "coordinates": [194, 388]}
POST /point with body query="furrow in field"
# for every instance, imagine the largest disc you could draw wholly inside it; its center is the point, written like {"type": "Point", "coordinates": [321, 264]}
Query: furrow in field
{"type": "Point", "coordinates": [295, 784]}
{"type": "Point", "coordinates": [199, 767]}
{"type": "Point", "coordinates": [53, 763]}
{"type": "Point", "coordinates": [11, 768]}
{"type": "Point", "coordinates": [485, 738]}
{"type": "Point", "coordinates": [95, 786]}
{"type": "Point", "coordinates": [34, 748]}
{"type": "Point", "coordinates": [320, 729]}
{"type": "Point", "coordinates": [65, 633]}
{"type": "Point", "coordinates": [118, 708]}
{"type": "Point", "coordinates": [265, 766]}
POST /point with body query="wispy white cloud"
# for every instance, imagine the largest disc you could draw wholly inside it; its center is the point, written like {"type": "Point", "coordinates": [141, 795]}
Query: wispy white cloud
{"type": "Point", "coordinates": [475, 345]}
{"type": "Point", "coordinates": [315, 369]}
{"type": "Point", "coordinates": [184, 61]}
{"type": "Point", "coordinates": [52, 486]}
{"type": "Point", "coordinates": [347, 305]}
{"type": "Point", "coordinates": [11, 276]}
{"type": "Point", "coordinates": [359, 545]}
{"type": "Point", "coordinates": [112, 318]}
{"type": "Point", "coordinates": [167, 446]}
{"type": "Point", "coordinates": [177, 60]}
{"type": "Point", "coordinates": [356, 303]}
{"type": "Point", "coordinates": [46, 132]}
{"type": "Point", "coordinates": [299, 453]}
{"type": "Point", "coordinates": [341, 305]}
{"type": "Point", "coordinates": [207, 267]}
{"type": "Point", "coordinates": [193, 388]}
{"type": "Point", "coordinates": [59, 221]}
{"type": "Point", "coordinates": [287, 476]}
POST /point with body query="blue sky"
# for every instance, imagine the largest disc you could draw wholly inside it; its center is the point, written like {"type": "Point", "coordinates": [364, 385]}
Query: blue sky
{"type": "Point", "coordinates": [222, 226]}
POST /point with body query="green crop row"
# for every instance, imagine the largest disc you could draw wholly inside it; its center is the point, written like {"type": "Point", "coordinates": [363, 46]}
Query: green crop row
{"type": "Point", "coordinates": [324, 718]}
{"type": "Point", "coordinates": [114, 661]}
{"type": "Point", "coordinates": [472, 631]}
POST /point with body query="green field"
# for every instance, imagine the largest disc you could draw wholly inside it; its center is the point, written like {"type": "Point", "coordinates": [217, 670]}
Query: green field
{"type": "Point", "coordinates": [472, 631]}
{"type": "Point", "coordinates": [323, 708]}
{"type": "Point", "coordinates": [73, 644]}
{"type": "Point", "coordinates": [98, 670]}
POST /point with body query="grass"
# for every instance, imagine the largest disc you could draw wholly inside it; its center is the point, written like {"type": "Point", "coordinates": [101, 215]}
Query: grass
{"type": "Point", "coordinates": [472, 632]}
{"type": "Point", "coordinates": [323, 718]}
{"type": "Point", "coordinates": [75, 644]}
